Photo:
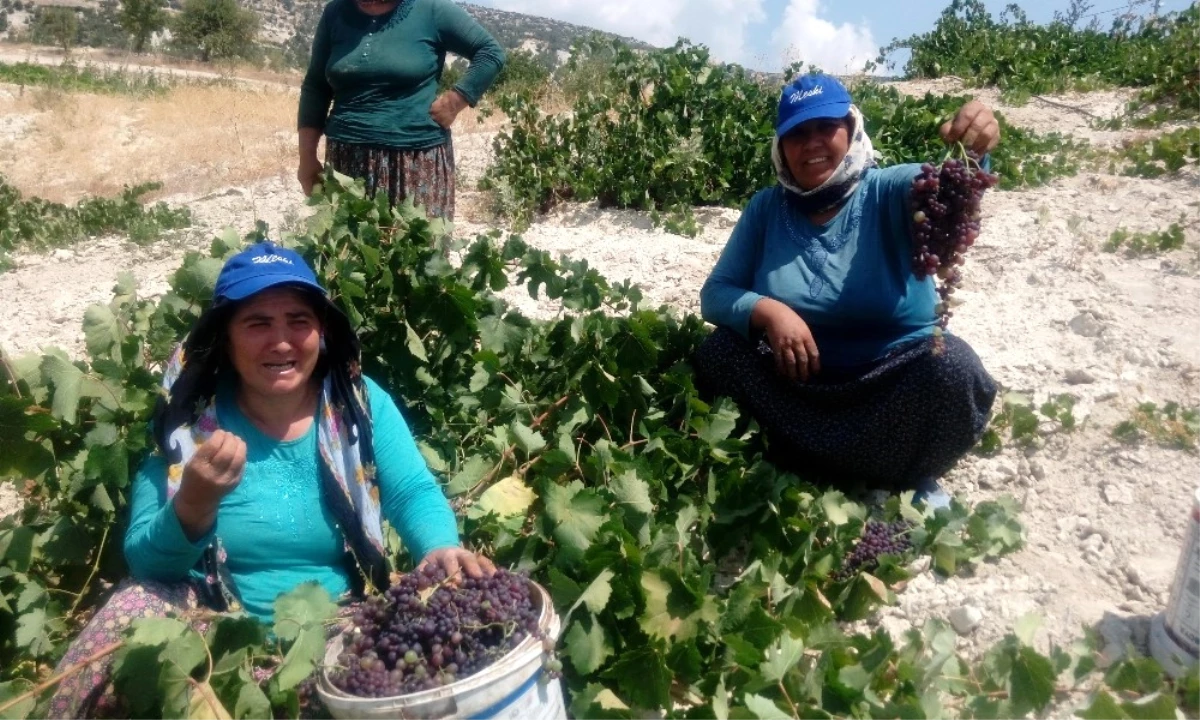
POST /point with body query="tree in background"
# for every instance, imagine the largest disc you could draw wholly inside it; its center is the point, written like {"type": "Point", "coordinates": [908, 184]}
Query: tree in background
{"type": "Point", "coordinates": [215, 29]}
{"type": "Point", "coordinates": [523, 69]}
{"type": "Point", "coordinates": [59, 25]}
{"type": "Point", "coordinates": [143, 18]}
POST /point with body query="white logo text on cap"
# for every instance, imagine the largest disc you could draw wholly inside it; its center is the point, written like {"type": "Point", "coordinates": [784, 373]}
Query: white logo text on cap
{"type": "Point", "coordinates": [268, 259]}
{"type": "Point", "coordinates": [798, 96]}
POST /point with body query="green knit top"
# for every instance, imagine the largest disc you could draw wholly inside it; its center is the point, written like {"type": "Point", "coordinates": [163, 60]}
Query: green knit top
{"type": "Point", "coordinates": [381, 72]}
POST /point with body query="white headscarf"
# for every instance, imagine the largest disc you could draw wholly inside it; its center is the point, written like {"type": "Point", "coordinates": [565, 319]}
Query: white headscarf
{"type": "Point", "coordinates": [841, 185]}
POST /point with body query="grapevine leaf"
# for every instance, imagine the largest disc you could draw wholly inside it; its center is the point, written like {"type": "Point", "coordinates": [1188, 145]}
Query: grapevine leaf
{"type": "Point", "coordinates": [251, 702]}
{"type": "Point", "coordinates": [564, 591]}
{"type": "Point", "coordinates": [67, 380]}
{"type": "Point", "coordinates": [185, 652]}
{"type": "Point", "coordinates": [205, 704]}
{"type": "Point", "coordinates": [642, 676]}
{"type": "Point", "coordinates": [593, 696]}
{"type": "Point", "coordinates": [23, 709]}
{"type": "Point", "coordinates": [474, 470]}
{"type": "Point", "coordinates": [18, 454]}
{"type": "Point", "coordinates": [781, 657]}
{"type": "Point", "coordinates": [195, 280]}
{"type": "Point", "coordinates": [1031, 682]}
{"type": "Point", "coordinates": [507, 498]}
{"type": "Point", "coordinates": [156, 630]}
{"type": "Point", "coordinates": [102, 332]}
{"type": "Point", "coordinates": [1104, 707]}
{"type": "Point", "coordinates": [577, 514]}
{"type": "Point", "coordinates": [596, 595]}
{"type": "Point", "coordinates": [764, 708]}
{"type": "Point", "coordinates": [588, 649]}
{"type": "Point", "coordinates": [1151, 707]}
{"type": "Point", "coordinates": [632, 492]}
{"type": "Point", "coordinates": [529, 440]}
{"type": "Point", "coordinates": [720, 701]}
{"type": "Point", "coordinates": [658, 621]}
{"type": "Point", "coordinates": [308, 604]}
{"type": "Point", "coordinates": [31, 594]}
{"type": "Point", "coordinates": [31, 633]}
{"type": "Point", "coordinates": [301, 659]}
{"type": "Point", "coordinates": [17, 547]}
{"type": "Point", "coordinates": [415, 346]}
{"type": "Point", "coordinates": [1027, 627]}
{"type": "Point", "coordinates": [175, 688]}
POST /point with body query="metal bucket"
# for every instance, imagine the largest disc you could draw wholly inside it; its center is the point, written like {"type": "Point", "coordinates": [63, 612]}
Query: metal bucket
{"type": "Point", "coordinates": [1175, 634]}
{"type": "Point", "coordinates": [515, 688]}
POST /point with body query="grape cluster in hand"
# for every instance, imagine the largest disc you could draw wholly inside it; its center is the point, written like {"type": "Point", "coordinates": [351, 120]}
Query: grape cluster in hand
{"type": "Point", "coordinates": [878, 538]}
{"type": "Point", "coordinates": [945, 202]}
{"type": "Point", "coordinates": [427, 631]}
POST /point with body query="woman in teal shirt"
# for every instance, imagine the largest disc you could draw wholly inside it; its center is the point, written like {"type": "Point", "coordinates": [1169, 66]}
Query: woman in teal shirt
{"type": "Point", "coordinates": [824, 333]}
{"type": "Point", "coordinates": [378, 63]}
{"type": "Point", "coordinates": [277, 463]}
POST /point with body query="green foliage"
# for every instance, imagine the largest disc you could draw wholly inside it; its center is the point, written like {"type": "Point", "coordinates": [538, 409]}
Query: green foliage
{"type": "Point", "coordinates": [577, 448]}
{"type": "Point", "coordinates": [59, 25]}
{"type": "Point", "coordinates": [70, 77]}
{"type": "Point", "coordinates": [1158, 54]}
{"type": "Point", "coordinates": [143, 18]}
{"type": "Point", "coordinates": [36, 224]}
{"type": "Point", "coordinates": [1020, 421]}
{"type": "Point", "coordinates": [669, 130]}
{"type": "Point", "coordinates": [215, 30]}
{"type": "Point", "coordinates": [1161, 155]}
{"type": "Point", "coordinates": [522, 71]}
{"type": "Point", "coordinates": [1138, 244]}
{"type": "Point", "coordinates": [1171, 426]}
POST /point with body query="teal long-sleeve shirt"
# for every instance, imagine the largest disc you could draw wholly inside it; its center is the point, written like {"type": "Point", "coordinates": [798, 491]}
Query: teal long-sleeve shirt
{"type": "Point", "coordinates": [849, 279]}
{"type": "Point", "coordinates": [381, 72]}
{"type": "Point", "coordinates": [274, 527]}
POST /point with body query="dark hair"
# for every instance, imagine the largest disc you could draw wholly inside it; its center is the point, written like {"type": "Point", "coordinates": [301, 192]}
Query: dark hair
{"type": "Point", "coordinates": [207, 362]}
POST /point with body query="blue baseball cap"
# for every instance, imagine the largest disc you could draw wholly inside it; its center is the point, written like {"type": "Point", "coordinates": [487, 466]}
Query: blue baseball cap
{"type": "Point", "coordinates": [260, 266]}
{"type": "Point", "coordinates": [809, 97]}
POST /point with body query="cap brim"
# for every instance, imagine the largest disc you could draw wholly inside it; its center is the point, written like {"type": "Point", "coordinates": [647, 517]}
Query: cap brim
{"type": "Point", "coordinates": [838, 109]}
{"type": "Point", "coordinates": [246, 287]}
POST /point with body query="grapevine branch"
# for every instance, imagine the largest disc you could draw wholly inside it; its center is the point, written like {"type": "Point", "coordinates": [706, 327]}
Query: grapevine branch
{"type": "Point", "coordinates": [66, 673]}
{"type": "Point", "coordinates": [92, 574]}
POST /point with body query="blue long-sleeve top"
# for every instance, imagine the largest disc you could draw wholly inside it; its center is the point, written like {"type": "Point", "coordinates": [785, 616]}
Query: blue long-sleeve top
{"type": "Point", "coordinates": [850, 279]}
{"type": "Point", "coordinates": [274, 527]}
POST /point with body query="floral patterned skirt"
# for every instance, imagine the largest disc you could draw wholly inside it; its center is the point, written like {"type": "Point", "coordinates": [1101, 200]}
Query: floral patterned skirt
{"type": "Point", "coordinates": [425, 176]}
{"type": "Point", "coordinates": [89, 693]}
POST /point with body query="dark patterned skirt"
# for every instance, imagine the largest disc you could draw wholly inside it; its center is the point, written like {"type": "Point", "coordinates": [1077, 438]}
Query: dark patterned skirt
{"type": "Point", "coordinates": [889, 424]}
{"type": "Point", "coordinates": [425, 176]}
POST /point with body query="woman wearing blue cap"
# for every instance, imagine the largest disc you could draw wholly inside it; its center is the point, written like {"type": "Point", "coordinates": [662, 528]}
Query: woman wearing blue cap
{"type": "Point", "coordinates": [276, 462]}
{"type": "Point", "coordinates": [824, 333]}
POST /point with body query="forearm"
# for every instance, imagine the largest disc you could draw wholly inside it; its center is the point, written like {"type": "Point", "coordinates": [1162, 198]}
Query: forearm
{"type": "Point", "coordinates": [765, 310]}
{"type": "Point", "coordinates": [422, 517]}
{"type": "Point", "coordinates": [309, 139]}
{"type": "Point", "coordinates": [160, 549]}
{"type": "Point", "coordinates": [195, 519]}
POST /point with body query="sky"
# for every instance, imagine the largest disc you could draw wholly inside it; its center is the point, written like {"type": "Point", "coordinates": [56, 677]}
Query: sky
{"type": "Point", "coordinates": [837, 35]}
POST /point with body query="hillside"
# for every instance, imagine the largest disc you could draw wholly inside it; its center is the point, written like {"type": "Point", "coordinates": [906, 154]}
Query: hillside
{"type": "Point", "coordinates": [290, 22]}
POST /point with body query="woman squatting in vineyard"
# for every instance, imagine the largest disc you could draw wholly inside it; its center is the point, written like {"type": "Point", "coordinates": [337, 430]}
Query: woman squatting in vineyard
{"type": "Point", "coordinates": [824, 333]}
{"type": "Point", "coordinates": [379, 63]}
{"type": "Point", "coordinates": [276, 462]}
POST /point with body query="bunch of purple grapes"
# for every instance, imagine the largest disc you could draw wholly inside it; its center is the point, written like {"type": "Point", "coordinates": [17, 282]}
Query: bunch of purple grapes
{"type": "Point", "coordinates": [945, 201]}
{"type": "Point", "coordinates": [878, 538]}
{"type": "Point", "coordinates": [426, 631]}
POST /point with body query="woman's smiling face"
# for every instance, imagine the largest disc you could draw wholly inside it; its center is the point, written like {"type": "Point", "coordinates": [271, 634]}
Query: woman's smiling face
{"type": "Point", "coordinates": [814, 150]}
{"type": "Point", "coordinates": [275, 342]}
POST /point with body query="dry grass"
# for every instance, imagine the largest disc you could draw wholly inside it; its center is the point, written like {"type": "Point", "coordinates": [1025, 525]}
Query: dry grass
{"type": "Point", "coordinates": [192, 139]}
{"type": "Point", "coordinates": [196, 138]}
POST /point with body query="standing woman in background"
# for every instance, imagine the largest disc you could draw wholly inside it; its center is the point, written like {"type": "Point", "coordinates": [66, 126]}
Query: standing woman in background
{"type": "Point", "coordinates": [378, 63]}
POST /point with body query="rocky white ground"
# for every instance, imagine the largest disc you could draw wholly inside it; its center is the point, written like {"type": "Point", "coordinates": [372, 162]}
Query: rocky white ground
{"type": "Point", "coordinates": [1047, 310]}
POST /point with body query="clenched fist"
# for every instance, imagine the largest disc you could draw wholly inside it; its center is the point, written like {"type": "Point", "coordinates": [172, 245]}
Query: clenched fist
{"type": "Point", "coordinates": [212, 473]}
